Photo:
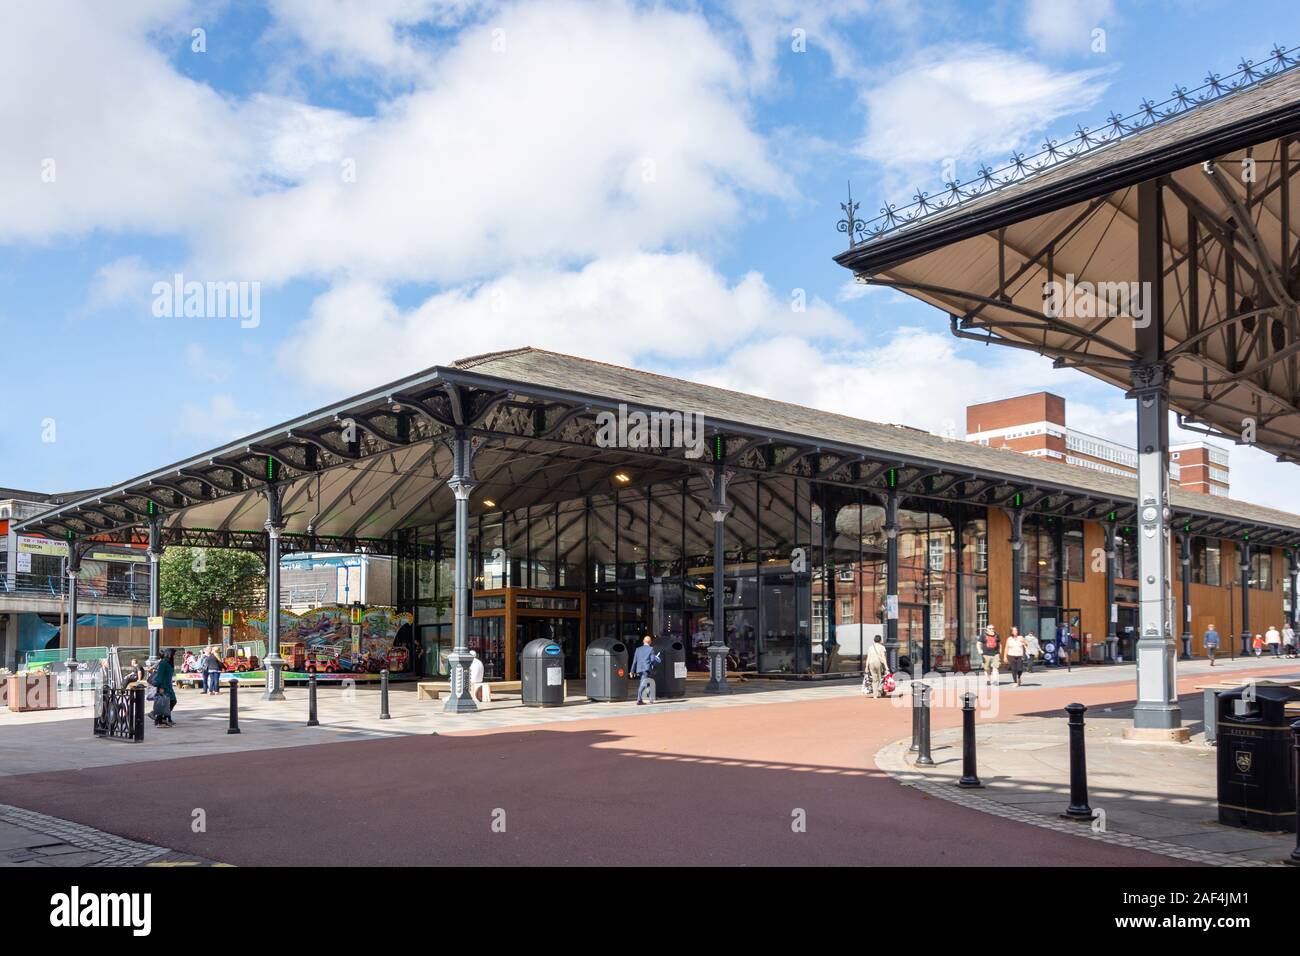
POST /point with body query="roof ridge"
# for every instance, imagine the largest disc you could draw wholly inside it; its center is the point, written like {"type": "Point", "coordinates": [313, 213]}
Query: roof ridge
{"type": "Point", "coordinates": [472, 360]}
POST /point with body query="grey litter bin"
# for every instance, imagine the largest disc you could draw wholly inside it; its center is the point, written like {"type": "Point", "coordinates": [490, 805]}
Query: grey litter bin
{"type": "Point", "coordinates": [1256, 763]}
{"type": "Point", "coordinates": [542, 667]}
{"type": "Point", "coordinates": [606, 669]}
{"type": "Point", "coordinates": [670, 673]}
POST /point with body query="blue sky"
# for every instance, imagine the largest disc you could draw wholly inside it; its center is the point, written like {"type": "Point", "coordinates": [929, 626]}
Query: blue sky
{"type": "Point", "coordinates": [411, 181]}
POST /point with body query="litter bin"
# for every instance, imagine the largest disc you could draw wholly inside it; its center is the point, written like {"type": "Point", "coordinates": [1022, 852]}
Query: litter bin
{"type": "Point", "coordinates": [606, 669]}
{"type": "Point", "coordinates": [1256, 763]}
{"type": "Point", "coordinates": [542, 664]}
{"type": "Point", "coordinates": [670, 673]}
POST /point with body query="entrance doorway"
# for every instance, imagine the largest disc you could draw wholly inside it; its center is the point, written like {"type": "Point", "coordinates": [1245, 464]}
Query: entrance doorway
{"type": "Point", "coordinates": [560, 630]}
{"type": "Point", "coordinates": [914, 638]}
{"type": "Point", "coordinates": [1126, 629]}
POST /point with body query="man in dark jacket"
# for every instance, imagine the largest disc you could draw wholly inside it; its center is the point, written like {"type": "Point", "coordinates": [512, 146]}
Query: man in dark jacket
{"type": "Point", "coordinates": [212, 666]}
{"type": "Point", "coordinates": [643, 662]}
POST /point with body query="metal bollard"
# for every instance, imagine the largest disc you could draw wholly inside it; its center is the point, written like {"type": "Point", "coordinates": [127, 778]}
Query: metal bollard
{"type": "Point", "coordinates": [234, 706]}
{"type": "Point", "coordinates": [916, 718]}
{"type": "Point", "coordinates": [383, 695]}
{"type": "Point", "coordinates": [923, 757]}
{"type": "Point", "coordinates": [1078, 809]}
{"type": "Point", "coordinates": [969, 780]}
{"type": "Point", "coordinates": [1294, 859]}
{"type": "Point", "coordinates": [137, 716]}
{"type": "Point", "coordinates": [311, 701]}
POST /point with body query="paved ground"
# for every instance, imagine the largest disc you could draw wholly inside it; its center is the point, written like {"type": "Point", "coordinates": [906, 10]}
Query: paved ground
{"type": "Point", "coordinates": [1155, 796]}
{"type": "Point", "coordinates": [702, 781]}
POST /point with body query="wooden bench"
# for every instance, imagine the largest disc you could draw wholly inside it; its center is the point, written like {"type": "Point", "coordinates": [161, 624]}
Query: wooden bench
{"type": "Point", "coordinates": [433, 690]}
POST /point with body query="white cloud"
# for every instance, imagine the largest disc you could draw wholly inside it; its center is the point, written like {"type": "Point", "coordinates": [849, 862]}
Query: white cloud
{"type": "Point", "coordinates": [354, 35]}
{"type": "Point", "coordinates": [911, 377]}
{"type": "Point", "coordinates": [220, 420]}
{"type": "Point", "coordinates": [102, 133]}
{"type": "Point", "coordinates": [1065, 26]}
{"type": "Point", "coordinates": [598, 130]}
{"type": "Point", "coordinates": [644, 308]}
{"type": "Point", "coordinates": [123, 281]}
{"type": "Point", "coordinates": [968, 103]}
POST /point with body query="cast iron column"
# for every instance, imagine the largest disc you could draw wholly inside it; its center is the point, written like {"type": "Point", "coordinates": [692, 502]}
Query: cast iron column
{"type": "Point", "coordinates": [155, 597]}
{"type": "Point", "coordinates": [1185, 559]}
{"type": "Point", "coordinates": [1017, 544]}
{"type": "Point", "coordinates": [273, 663]}
{"type": "Point", "coordinates": [891, 579]}
{"type": "Point", "coordinates": [1157, 692]}
{"type": "Point", "coordinates": [719, 507]}
{"type": "Point", "coordinates": [462, 484]}
{"type": "Point", "coordinates": [74, 569]}
{"type": "Point", "coordinates": [1244, 568]}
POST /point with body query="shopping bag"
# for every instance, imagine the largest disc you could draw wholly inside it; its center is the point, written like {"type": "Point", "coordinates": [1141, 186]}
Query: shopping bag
{"type": "Point", "coordinates": [890, 684]}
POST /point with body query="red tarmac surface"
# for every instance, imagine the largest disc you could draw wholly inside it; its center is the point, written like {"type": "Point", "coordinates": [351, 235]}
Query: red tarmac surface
{"type": "Point", "coordinates": [709, 786]}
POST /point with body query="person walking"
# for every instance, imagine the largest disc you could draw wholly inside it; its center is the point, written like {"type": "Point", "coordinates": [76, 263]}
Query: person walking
{"type": "Point", "coordinates": [1273, 638]}
{"type": "Point", "coordinates": [990, 648]}
{"type": "Point", "coordinates": [1211, 643]}
{"type": "Point", "coordinates": [1017, 648]}
{"type": "Point", "coordinates": [1288, 640]}
{"type": "Point", "coordinates": [163, 689]}
{"type": "Point", "coordinates": [1257, 645]}
{"type": "Point", "coordinates": [212, 665]}
{"type": "Point", "coordinates": [877, 666]}
{"type": "Point", "coordinates": [643, 662]}
{"type": "Point", "coordinates": [1033, 651]}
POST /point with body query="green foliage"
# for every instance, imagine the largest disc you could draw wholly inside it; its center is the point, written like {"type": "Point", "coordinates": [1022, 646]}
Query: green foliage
{"type": "Point", "coordinates": [202, 582]}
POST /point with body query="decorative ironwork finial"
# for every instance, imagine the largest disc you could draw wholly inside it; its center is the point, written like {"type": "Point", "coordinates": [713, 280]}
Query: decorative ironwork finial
{"type": "Point", "coordinates": [1149, 113]}
{"type": "Point", "coordinates": [850, 224]}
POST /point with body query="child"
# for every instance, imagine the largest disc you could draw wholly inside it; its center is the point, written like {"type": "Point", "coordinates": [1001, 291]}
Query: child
{"type": "Point", "coordinates": [1258, 645]}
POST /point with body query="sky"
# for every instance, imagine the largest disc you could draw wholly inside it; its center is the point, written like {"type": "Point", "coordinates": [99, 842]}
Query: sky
{"type": "Point", "coordinates": [394, 184]}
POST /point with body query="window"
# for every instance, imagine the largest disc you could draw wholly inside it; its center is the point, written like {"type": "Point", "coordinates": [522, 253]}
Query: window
{"type": "Point", "coordinates": [937, 547]}
{"type": "Point", "coordinates": [1261, 570]}
{"type": "Point", "coordinates": [1206, 561]}
{"type": "Point", "coordinates": [846, 610]}
{"type": "Point", "coordinates": [981, 612]}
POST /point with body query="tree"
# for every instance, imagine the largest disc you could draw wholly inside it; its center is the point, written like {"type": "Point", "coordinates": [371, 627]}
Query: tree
{"type": "Point", "coordinates": [202, 582]}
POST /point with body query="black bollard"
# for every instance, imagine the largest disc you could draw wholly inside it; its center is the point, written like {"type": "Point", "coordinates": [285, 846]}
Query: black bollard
{"type": "Point", "coordinates": [968, 780]}
{"type": "Point", "coordinates": [1078, 809]}
{"type": "Point", "coordinates": [137, 715]}
{"type": "Point", "coordinates": [311, 700]}
{"type": "Point", "coordinates": [923, 756]}
{"type": "Point", "coordinates": [1294, 859]}
{"type": "Point", "coordinates": [234, 706]}
{"type": "Point", "coordinates": [383, 695]}
{"type": "Point", "coordinates": [916, 719]}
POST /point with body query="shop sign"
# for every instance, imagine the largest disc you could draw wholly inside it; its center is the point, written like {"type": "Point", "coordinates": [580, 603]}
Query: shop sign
{"type": "Point", "coordinates": [30, 545]}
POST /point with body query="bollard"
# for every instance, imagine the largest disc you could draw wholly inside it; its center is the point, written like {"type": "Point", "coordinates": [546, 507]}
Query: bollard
{"type": "Point", "coordinates": [916, 719]}
{"type": "Point", "coordinates": [383, 695]}
{"type": "Point", "coordinates": [1294, 859]}
{"type": "Point", "coordinates": [137, 716]}
{"type": "Point", "coordinates": [1078, 809]}
{"type": "Point", "coordinates": [923, 756]}
{"type": "Point", "coordinates": [311, 701]}
{"type": "Point", "coordinates": [969, 780]}
{"type": "Point", "coordinates": [234, 706]}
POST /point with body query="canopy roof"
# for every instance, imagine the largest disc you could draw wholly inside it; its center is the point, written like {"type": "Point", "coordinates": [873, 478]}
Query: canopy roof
{"type": "Point", "coordinates": [533, 413]}
{"type": "Point", "coordinates": [1229, 256]}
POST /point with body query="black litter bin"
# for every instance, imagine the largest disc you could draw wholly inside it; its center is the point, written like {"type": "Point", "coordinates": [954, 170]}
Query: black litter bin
{"type": "Point", "coordinates": [542, 666]}
{"type": "Point", "coordinates": [1256, 759]}
{"type": "Point", "coordinates": [670, 673]}
{"type": "Point", "coordinates": [606, 669]}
